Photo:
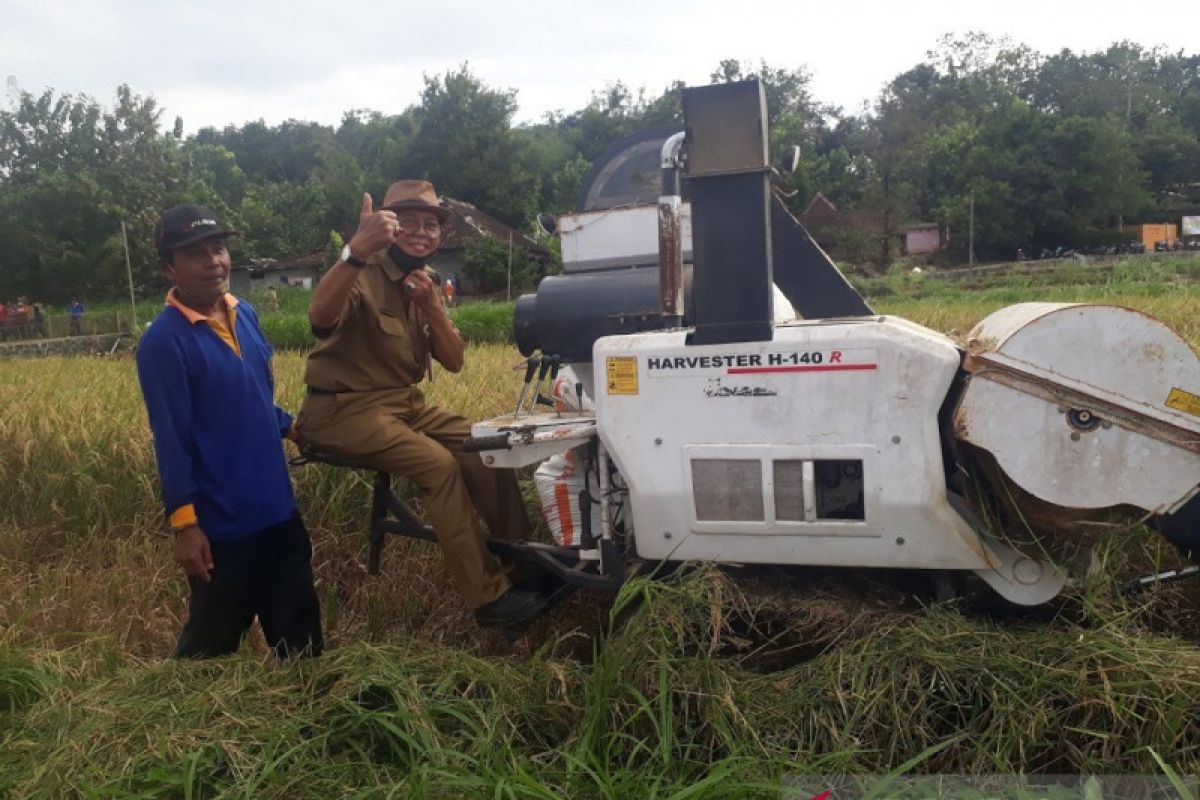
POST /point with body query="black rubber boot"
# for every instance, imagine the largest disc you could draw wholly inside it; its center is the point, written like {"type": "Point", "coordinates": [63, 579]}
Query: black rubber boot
{"type": "Point", "coordinates": [511, 609]}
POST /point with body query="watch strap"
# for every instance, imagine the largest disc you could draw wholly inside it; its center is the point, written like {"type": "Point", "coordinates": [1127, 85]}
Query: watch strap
{"type": "Point", "coordinates": [352, 259]}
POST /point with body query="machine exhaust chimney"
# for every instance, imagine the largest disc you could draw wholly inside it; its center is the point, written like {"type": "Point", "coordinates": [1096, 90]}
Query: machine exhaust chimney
{"type": "Point", "coordinates": [728, 171]}
{"type": "Point", "coordinates": [670, 234]}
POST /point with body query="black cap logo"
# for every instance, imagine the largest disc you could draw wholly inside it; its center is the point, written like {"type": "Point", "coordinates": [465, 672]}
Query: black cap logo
{"type": "Point", "coordinates": [183, 225]}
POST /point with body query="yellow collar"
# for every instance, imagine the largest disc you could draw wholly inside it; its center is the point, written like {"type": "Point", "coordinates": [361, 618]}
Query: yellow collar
{"type": "Point", "coordinates": [193, 316]}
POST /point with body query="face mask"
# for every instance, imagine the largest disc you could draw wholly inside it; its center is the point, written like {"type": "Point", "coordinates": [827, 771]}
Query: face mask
{"type": "Point", "coordinates": [403, 260]}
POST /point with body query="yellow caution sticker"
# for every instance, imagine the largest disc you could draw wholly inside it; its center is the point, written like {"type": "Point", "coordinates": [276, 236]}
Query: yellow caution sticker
{"type": "Point", "coordinates": [1183, 401]}
{"type": "Point", "coordinates": [621, 374]}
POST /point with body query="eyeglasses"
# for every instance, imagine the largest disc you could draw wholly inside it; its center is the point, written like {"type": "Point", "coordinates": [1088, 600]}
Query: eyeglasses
{"type": "Point", "coordinates": [413, 226]}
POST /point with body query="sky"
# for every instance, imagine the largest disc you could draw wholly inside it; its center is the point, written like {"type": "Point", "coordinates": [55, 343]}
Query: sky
{"type": "Point", "coordinates": [216, 62]}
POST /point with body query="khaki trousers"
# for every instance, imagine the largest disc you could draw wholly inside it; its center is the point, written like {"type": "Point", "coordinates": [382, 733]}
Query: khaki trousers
{"type": "Point", "coordinates": [394, 431]}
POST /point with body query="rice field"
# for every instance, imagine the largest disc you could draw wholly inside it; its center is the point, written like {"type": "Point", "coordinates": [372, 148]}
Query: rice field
{"type": "Point", "coordinates": [703, 684]}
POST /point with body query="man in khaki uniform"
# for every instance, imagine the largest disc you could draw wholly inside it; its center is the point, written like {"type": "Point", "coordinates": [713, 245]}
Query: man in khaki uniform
{"type": "Point", "coordinates": [379, 321]}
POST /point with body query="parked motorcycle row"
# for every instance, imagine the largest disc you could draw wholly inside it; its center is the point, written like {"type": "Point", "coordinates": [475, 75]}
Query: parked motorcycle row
{"type": "Point", "coordinates": [1162, 246]}
{"type": "Point", "coordinates": [1124, 248]}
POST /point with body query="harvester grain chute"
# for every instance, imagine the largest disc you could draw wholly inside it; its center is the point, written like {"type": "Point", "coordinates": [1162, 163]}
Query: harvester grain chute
{"type": "Point", "coordinates": [724, 429]}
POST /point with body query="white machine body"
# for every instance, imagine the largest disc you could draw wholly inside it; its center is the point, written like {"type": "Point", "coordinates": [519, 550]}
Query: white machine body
{"type": "Point", "coordinates": [824, 446]}
{"type": "Point", "coordinates": [860, 441]}
{"type": "Point", "coordinates": [819, 447]}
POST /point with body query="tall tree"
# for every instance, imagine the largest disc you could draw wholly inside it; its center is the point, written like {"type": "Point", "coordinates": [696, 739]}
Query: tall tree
{"type": "Point", "coordinates": [71, 173]}
{"type": "Point", "coordinates": [465, 144]}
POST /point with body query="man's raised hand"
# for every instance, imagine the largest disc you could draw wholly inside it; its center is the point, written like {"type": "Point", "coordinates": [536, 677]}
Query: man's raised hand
{"type": "Point", "coordinates": [375, 229]}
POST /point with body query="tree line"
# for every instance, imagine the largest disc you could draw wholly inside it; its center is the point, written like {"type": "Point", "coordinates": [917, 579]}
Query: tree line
{"type": "Point", "coordinates": [1049, 149]}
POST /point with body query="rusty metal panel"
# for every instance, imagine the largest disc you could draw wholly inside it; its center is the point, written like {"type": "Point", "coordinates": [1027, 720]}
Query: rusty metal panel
{"type": "Point", "coordinates": [670, 257]}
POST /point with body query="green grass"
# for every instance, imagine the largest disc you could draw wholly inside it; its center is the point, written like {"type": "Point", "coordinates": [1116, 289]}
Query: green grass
{"type": "Point", "coordinates": [1023, 281]}
{"type": "Point", "coordinates": [1166, 287]}
{"type": "Point", "coordinates": [708, 684]}
{"type": "Point", "coordinates": [484, 322]}
{"type": "Point", "coordinates": [287, 331]}
{"type": "Point", "coordinates": [287, 328]}
{"type": "Point", "coordinates": [679, 695]}
{"type": "Point", "coordinates": [900, 292]}
{"type": "Point", "coordinates": [478, 321]}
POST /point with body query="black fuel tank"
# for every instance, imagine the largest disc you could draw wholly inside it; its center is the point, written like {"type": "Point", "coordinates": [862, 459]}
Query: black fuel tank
{"type": "Point", "coordinates": [570, 312]}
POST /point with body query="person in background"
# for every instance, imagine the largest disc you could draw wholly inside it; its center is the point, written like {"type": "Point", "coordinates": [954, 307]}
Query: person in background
{"type": "Point", "coordinates": [3, 320]}
{"type": "Point", "coordinates": [75, 312]}
{"type": "Point", "coordinates": [272, 300]}
{"type": "Point", "coordinates": [18, 318]}
{"type": "Point", "coordinates": [380, 323]}
{"type": "Point", "coordinates": [205, 371]}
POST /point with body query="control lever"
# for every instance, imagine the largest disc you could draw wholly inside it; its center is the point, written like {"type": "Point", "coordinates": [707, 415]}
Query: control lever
{"type": "Point", "coordinates": [555, 363]}
{"type": "Point", "coordinates": [537, 387]}
{"type": "Point", "coordinates": [531, 365]}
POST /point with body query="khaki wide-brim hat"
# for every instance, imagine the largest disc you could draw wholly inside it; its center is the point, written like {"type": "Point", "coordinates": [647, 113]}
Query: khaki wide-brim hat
{"type": "Point", "coordinates": [414, 196]}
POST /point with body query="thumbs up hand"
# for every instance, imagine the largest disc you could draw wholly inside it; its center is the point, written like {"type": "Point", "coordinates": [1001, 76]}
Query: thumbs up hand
{"type": "Point", "coordinates": [375, 229]}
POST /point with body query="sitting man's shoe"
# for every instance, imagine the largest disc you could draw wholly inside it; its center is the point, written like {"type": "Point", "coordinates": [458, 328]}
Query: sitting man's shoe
{"type": "Point", "coordinates": [511, 608]}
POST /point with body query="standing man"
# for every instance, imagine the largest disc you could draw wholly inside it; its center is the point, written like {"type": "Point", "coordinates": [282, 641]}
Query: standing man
{"type": "Point", "coordinates": [75, 312]}
{"type": "Point", "coordinates": [379, 322]}
{"type": "Point", "coordinates": [205, 370]}
{"type": "Point", "coordinates": [39, 320]}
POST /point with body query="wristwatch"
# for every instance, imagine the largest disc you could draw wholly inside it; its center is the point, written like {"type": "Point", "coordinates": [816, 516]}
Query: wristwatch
{"type": "Point", "coordinates": [351, 259]}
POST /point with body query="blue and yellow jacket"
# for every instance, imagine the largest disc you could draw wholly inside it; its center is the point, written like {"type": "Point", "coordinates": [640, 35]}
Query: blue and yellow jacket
{"type": "Point", "coordinates": [210, 396]}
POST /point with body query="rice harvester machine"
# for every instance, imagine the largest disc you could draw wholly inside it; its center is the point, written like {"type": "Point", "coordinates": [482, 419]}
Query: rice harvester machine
{"type": "Point", "coordinates": [739, 402]}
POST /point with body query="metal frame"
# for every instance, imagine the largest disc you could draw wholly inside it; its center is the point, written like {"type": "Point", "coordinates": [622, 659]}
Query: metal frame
{"type": "Point", "coordinates": [569, 565]}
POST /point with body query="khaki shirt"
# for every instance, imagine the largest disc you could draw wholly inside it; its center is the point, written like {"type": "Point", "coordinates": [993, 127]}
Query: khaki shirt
{"type": "Point", "coordinates": [380, 341]}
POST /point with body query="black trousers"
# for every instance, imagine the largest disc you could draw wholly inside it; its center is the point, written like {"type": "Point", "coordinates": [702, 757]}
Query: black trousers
{"type": "Point", "coordinates": [268, 575]}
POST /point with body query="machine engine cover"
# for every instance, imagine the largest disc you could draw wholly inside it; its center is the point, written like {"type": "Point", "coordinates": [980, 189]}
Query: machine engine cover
{"type": "Point", "coordinates": [820, 447]}
{"type": "Point", "coordinates": [1085, 406]}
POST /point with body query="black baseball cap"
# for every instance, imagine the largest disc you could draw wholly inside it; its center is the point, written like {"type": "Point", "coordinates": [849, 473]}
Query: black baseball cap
{"type": "Point", "coordinates": [185, 224]}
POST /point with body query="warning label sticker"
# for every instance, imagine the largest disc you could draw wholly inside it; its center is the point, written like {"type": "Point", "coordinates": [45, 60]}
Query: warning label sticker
{"type": "Point", "coordinates": [1183, 401]}
{"type": "Point", "coordinates": [621, 374]}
